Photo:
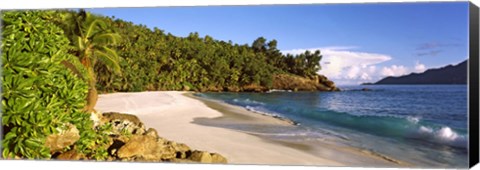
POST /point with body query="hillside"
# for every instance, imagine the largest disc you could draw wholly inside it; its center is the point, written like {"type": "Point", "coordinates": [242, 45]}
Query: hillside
{"type": "Point", "coordinates": [152, 59]}
{"type": "Point", "coordinates": [451, 74]}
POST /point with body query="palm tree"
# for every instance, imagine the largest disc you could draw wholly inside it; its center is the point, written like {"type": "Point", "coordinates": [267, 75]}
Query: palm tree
{"type": "Point", "coordinates": [93, 40]}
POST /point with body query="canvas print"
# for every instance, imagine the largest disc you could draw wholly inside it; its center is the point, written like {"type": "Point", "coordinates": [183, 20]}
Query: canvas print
{"type": "Point", "coordinates": [357, 85]}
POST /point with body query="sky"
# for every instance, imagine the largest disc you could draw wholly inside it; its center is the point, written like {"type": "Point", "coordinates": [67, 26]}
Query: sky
{"type": "Point", "coordinates": [359, 42]}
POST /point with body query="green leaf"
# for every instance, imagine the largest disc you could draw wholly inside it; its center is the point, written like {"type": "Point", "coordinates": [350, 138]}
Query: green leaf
{"type": "Point", "coordinates": [10, 135]}
{"type": "Point", "coordinates": [33, 143]}
{"type": "Point", "coordinates": [5, 152]}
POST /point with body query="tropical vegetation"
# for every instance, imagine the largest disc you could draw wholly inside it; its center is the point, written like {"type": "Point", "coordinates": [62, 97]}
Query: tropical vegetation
{"type": "Point", "coordinates": [54, 61]}
{"type": "Point", "coordinates": [151, 59]}
{"type": "Point", "coordinates": [40, 97]}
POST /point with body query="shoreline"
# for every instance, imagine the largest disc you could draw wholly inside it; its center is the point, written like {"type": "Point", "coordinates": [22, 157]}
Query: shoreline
{"type": "Point", "coordinates": [227, 129]}
{"type": "Point", "coordinates": [238, 111]}
{"type": "Point", "coordinates": [354, 156]}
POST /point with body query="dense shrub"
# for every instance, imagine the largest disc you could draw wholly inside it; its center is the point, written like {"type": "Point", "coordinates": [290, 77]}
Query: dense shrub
{"type": "Point", "coordinates": [40, 96]}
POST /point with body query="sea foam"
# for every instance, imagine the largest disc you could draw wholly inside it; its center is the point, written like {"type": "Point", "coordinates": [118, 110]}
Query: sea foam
{"type": "Point", "coordinates": [444, 135]}
{"type": "Point", "coordinates": [261, 111]}
{"type": "Point", "coordinates": [247, 102]}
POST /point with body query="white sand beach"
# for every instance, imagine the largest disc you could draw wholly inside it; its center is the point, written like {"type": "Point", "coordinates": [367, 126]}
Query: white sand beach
{"type": "Point", "coordinates": [176, 116]}
{"type": "Point", "coordinates": [172, 113]}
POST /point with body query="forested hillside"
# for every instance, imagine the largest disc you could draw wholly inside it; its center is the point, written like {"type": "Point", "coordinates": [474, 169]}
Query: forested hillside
{"type": "Point", "coordinates": [155, 60]}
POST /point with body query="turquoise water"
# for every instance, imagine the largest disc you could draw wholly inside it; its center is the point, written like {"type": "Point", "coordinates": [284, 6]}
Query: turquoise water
{"type": "Point", "coordinates": [422, 124]}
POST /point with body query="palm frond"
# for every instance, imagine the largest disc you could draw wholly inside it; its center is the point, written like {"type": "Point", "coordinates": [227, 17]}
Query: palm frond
{"type": "Point", "coordinates": [107, 38]}
{"type": "Point", "coordinates": [110, 58]}
{"type": "Point", "coordinates": [79, 43]}
{"type": "Point", "coordinates": [91, 27]}
{"type": "Point", "coordinates": [102, 25]}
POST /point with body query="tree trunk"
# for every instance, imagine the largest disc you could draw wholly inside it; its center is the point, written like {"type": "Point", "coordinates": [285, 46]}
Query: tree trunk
{"type": "Point", "coordinates": [92, 95]}
{"type": "Point", "coordinates": [91, 99]}
{"type": "Point", "coordinates": [92, 90]}
{"type": "Point", "coordinates": [72, 68]}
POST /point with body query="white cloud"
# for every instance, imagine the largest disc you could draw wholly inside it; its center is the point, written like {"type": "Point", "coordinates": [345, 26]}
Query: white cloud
{"type": "Point", "coordinates": [365, 76]}
{"type": "Point", "coordinates": [337, 48]}
{"type": "Point", "coordinates": [419, 68]}
{"type": "Point", "coordinates": [372, 69]}
{"type": "Point", "coordinates": [345, 66]}
{"type": "Point", "coordinates": [394, 70]}
{"type": "Point", "coordinates": [351, 62]}
{"type": "Point", "coordinates": [353, 72]}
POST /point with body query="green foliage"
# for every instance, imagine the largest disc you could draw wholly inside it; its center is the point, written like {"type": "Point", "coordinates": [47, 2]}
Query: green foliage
{"type": "Point", "coordinates": [92, 40]}
{"type": "Point", "coordinates": [92, 143]}
{"type": "Point", "coordinates": [91, 37]}
{"type": "Point", "coordinates": [305, 65]}
{"type": "Point", "coordinates": [39, 95]}
{"type": "Point", "coordinates": [153, 60]}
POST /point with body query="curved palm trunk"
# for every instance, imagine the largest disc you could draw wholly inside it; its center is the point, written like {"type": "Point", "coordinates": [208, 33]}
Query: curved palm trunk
{"type": "Point", "coordinates": [88, 43]}
{"type": "Point", "coordinates": [92, 98]}
{"type": "Point", "coordinates": [92, 95]}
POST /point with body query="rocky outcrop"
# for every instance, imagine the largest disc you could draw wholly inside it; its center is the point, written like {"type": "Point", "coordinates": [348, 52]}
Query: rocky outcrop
{"type": "Point", "coordinates": [280, 82]}
{"type": "Point", "coordinates": [328, 85]}
{"type": "Point", "coordinates": [254, 88]}
{"type": "Point", "coordinates": [206, 157]}
{"type": "Point", "coordinates": [152, 132]}
{"type": "Point", "coordinates": [232, 89]}
{"type": "Point", "coordinates": [200, 156]}
{"type": "Point", "coordinates": [59, 141]}
{"type": "Point", "coordinates": [140, 146]}
{"type": "Point", "coordinates": [131, 142]}
{"type": "Point", "coordinates": [297, 83]}
{"type": "Point", "coordinates": [217, 158]}
{"type": "Point", "coordinates": [71, 155]}
{"type": "Point", "coordinates": [182, 151]}
{"type": "Point", "coordinates": [148, 148]}
{"type": "Point", "coordinates": [123, 123]}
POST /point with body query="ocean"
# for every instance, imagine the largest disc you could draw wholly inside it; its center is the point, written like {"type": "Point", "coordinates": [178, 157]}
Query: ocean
{"type": "Point", "coordinates": [425, 125]}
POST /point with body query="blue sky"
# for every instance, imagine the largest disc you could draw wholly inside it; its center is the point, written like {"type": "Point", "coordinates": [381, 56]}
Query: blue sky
{"type": "Point", "coordinates": [359, 42]}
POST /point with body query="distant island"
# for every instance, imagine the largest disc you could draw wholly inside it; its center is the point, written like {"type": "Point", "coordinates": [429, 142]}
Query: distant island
{"type": "Point", "coordinates": [451, 74]}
